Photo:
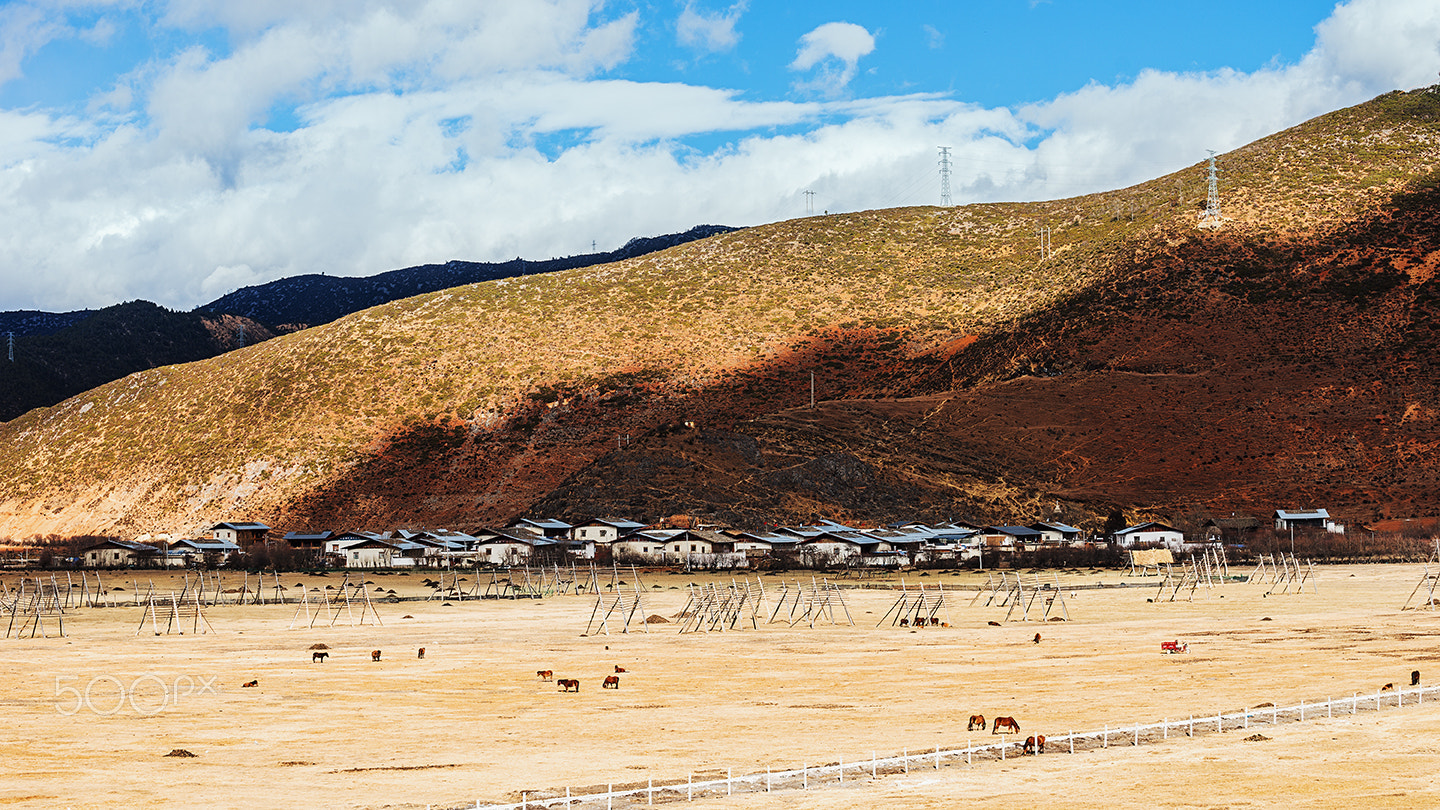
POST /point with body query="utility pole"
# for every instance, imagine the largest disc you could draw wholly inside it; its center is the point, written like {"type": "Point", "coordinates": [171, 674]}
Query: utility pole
{"type": "Point", "coordinates": [1211, 218]}
{"type": "Point", "coordinates": [944, 176]}
{"type": "Point", "coordinates": [1045, 250]}
{"type": "Point", "coordinates": [809, 202]}
{"type": "Point", "coordinates": [812, 390]}
{"type": "Point", "coordinates": [240, 334]}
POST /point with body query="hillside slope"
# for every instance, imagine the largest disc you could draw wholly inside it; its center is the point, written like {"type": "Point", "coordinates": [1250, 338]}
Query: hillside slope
{"type": "Point", "coordinates": [941, 347]}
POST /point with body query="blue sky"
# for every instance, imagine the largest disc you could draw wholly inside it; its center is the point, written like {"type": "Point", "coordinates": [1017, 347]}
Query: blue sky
{"type": "Point", "coordinates": [177, 149]}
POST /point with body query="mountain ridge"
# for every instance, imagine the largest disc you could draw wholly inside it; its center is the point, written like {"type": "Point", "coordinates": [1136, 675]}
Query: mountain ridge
{"type": "Point", "coordinates": [480, 403]}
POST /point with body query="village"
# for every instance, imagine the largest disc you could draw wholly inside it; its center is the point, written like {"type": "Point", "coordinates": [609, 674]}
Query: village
{"type": "Point", "coordinates": [682, 543]}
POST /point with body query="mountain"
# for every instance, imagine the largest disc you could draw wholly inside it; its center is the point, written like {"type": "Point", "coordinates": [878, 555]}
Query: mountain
{"type": "Point", "coordinates": [1281, 360]}
{"type": "Point", "coordinates": [109, 344]}
{"type": "Point", "coordinates": [28, 322]}
{"type": "Point", "coordinates": [60, 355]}
{"type": "Point", "coordinates": [313, 299]}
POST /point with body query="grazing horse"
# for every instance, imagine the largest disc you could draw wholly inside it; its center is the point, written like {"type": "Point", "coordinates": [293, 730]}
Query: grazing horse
{"type": "Point", "coordinates": [1037, 638]}
{"type": "Point", "coordinates": [1389, 687]}
{"type": "Point", "coordinates": [1034, 745]}
{"type": "Point", "coordinates": [977, 721]}
{"type": "Point", "coordinates": [251, 683]}
{"type": "Point", "coordinates": [611, 682]}
{"type": "Point", "coordinates": [422, 653]}
{"type": "Point", "coordinates": [1028, 747]}
{"type": "Point", "coordinates": [1415, 678]}
{"type": "Point", "coordinates": [319, 656]}
{"type": "Point", "coordinates": [545, 675]}
{"type": "Point", "coordinates": [619, 668]}
{"type": "Point", "coordinates": [374, 655]}
{"type": "Point", "coordinates": [565, 684]}
{"type": "Point", "coordinates": [1004, 722]}
{"type": "Point", "coordinates": [904, 622]}
{"type": "Point", "coordinates": [993, 624]}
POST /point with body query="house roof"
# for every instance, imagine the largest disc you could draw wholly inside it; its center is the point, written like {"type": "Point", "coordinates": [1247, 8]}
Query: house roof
{"type": "Point", "coordinates": [545, 523]}
{"type": "Point", "coordinates": [1014, 531]}
{"type": "Point", "coordinates": [128, 545]}
{"type": "Point", "coordinates": [1305, 514]}
{"type": "Point", "coordinates": [518, 534]}
{"type": "Point", "coordinates": [241, 527]}
{"type": "Point", "coordinates": [1148, 526]}
{"type": "Point", "coordinates": [622, 524]}
{"type": "Point", "coordinates": [1057, 527]}
{"type": "Point", "coordinates": [313, 537]}
{"type": "Point", "coordinates": [205, 545]}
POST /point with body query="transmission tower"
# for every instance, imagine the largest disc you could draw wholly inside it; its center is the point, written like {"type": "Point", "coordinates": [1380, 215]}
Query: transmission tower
{"type": "Point", "coordinates": [809, 201]}
{"type": "Point", "coordinates": [1045, 250]}
{"type": "Point", "coordinates": [1211, 218]}
{"type": "Point", "coordinates": [240, 334]}
{"type": "Point", "coordinates": [11, 337]}
{"type": "Point", "coordinates": [944, 176]}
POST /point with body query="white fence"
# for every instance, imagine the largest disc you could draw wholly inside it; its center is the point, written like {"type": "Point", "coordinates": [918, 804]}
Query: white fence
{"type": "Point", "coordinates": [835, 773]}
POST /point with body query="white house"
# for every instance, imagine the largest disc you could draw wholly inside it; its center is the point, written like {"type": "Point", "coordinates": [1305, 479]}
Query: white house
{"type": "Point", "coordinates": [241, 534]}
{"type": "Point", "coordinates": [1286, 519]}
{"type": "Point", "coordinates": [647, 546]}
{"type": "Point", "coordinates": [118, 554]}
{"type": "Point", "coordinates": [1150, 534]}
{"type": "Point", "coordinates": [192, 552]}
{"type": "Point", "coordinates": [513, 546]}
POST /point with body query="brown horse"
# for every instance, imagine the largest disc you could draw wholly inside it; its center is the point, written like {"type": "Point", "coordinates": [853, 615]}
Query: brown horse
{"type": "Point", "coordinates": [620, 669]}
{"type": "Point", "coordinates": [611, 682]}
{"type": "Point", "coordinates": [374, 655]}
{"type": "Point", "coordinates": [251, 683]}
{"type": "Point", "coordinates": [1004, 722]}
{"type": "Point", "coordinates": [422, 653]}
{"type": "Point", "coordinates": [545, 675]}
{"type": "Point", "coordinates": [319, 656]}
{"type": "Point", "coordinates": [1034, 745]}
{"type": "Point", "coordinates": [566, 684]}
{"type": "Point", "coordinates": [977, 721]}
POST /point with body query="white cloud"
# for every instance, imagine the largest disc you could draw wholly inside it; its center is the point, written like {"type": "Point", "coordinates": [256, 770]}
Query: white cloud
{"type": "Point", "coordinates": [170, 189]}
{"type": "Point", "coordinates": [836, 47]}
{"type": "Point", "coordinates": [713, 32]}
{"type": "Point", "coordinates": [934, 38]}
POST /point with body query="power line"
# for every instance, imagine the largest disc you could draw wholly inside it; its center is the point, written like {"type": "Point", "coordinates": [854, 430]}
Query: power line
{"type": "Point", "coordinates": [944, 176]}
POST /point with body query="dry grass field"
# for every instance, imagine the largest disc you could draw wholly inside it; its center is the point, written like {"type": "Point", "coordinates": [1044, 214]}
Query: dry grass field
{"type": "Point", "coordinates": [471, 721]}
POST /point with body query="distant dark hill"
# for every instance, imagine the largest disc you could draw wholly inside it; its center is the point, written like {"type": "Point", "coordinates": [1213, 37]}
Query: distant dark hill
{"type": "Point", "coordinates": [59, 355]}
{"type": "Point", "coordinates": [27, 322]}
{"type": "Point", "coordinates": [108, 345]}
{"type": "Point", "coordinates": [313, 299]}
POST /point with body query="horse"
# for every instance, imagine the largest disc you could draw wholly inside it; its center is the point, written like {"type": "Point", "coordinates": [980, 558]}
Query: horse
{"type": "Point", "coordinates": [251, 683]}
{"type": "Point", "coordinates": [1389, 687]}
{"type": "Point", "coordinates": [977, 721]}
{"type": "Point", "coordinates": [1415, 678]}
{"type": "Point", "coordinates": [545, 675]}
{"type": "Point", "coordinates": [422, 653]}
{"type": "Point", "coordinates": [1037, 638]}
{"type": "Point", "coordinates": [319, 656]}
{"type": "Point", "coordinates": [1004, 722]}
{"type": "Point", "coordinates": [619, 669]}
{"type": "Point", "coordinates": [374, 655]}
{"type": "Point", "coordinates": [611, 682]}
{"type": "Point", "coordinates": [1034, 745]}
{"type": "Point", "coordinates": [565, 684]}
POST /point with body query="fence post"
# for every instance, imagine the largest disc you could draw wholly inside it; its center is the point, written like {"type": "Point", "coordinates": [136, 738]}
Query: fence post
{"type": "Point", "coordinates": [567, 798]}
{"type": "Point", "coordinates": [1072, 742]}
{"type": "Point", "coordinates": [969, 746]}
{"type": "Point", "coordinates": [1329, 707]}
{"type": "Point", "coordinates": [804, 776]}
{"type": "Point", "coordinates": [609, 795]}
{"type": "Point", "coordinates": [767, 778]}
{"type": "Point", "coordinates": [906, 756]}
{"type": "Point", "coordinates": [1302, 711]}
{"type": "Point", "coordinates": [650, 791]}
{"type": "Point", "coordinates": [1105, 741]}
{"type": "Point", "coordinates": [689, 787]}
{"type": "Point", "coordinates": [841, 769]}
{"type": "Point", "coordinates": [872, 763]}
{"type": "Point", "coordinates": [1354, 702]}
{"type": "Point", "coordinates": [937, 757]}
{"type": "Point", "coordinates": [1165, 734]}
{"type": "Point", "coordinates": [1274, 713]}
{"type": "Point", "coordinates": [1002, 751]}
{"type": "Point", "coordinates": [1219, 723]}
{"type": "Point", "coordinates": [1246, 714]}
{"type": "Point", "coordinates": [1137, 733]}
{"type": "Point", "coordinates": [522, 800]}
